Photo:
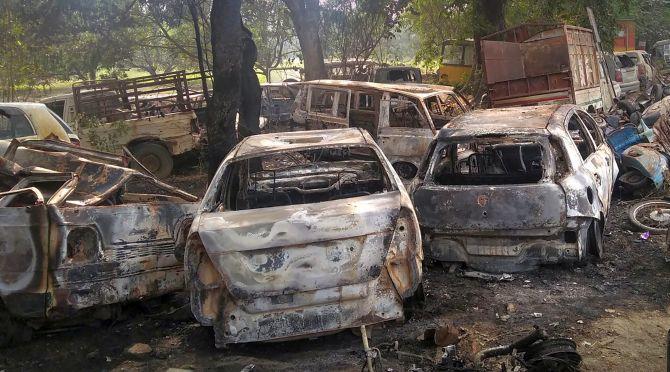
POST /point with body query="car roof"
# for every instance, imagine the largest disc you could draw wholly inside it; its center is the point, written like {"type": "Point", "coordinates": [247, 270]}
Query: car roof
{"type": "Point", "coordinates": [56, 98]}
{"type": "Point", "coordinates": [415, 90]}
{"type": "Point", "coordinates": [529, 119]}
{"type": "Point", "coordinates": [292, 141]}
{"type": "Point", "coordinates": [26, 106]}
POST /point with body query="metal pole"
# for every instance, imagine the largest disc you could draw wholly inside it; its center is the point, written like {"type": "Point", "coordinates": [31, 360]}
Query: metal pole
{"type": "Point", "coordinates": [594, 26]}
{"type": "Point", "coordinates": [366, 347]}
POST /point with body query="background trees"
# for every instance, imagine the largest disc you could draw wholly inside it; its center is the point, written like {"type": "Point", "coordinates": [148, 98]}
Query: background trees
{"type": "Point", "coordinates": [45, 41]}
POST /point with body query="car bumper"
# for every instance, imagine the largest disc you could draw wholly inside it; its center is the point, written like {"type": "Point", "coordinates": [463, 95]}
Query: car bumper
{"type": "Point", "coordinates": [308, 314]}
{"type": "Point", "coordinates": [513, 252]}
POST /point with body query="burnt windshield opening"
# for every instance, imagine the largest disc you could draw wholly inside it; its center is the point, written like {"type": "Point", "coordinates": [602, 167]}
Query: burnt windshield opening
{"type": "Point", "coordinates": [301, 177]}
{"type": "Point", "coordinates": [488, 163]}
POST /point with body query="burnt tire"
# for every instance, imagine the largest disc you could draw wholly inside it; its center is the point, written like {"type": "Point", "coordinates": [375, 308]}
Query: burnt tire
{"type": "Point", "coordinates": [154, 157]}
{"type": "Point", "coordinates": [634, 180]}
{"type": "Point", "coordinates": [595, 243]}
{"type": "Point", "coordinates": [651, 215]}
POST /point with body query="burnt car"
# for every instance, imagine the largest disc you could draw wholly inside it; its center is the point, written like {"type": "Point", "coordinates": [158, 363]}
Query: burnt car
{"type": "Point", "coordinates": [301, 234]}
{"type": "Point", "coordinates": [402, 118]}
{"type": "Point", "coordinates": [506, 190]}
{"type": "Point", "coordinates": [81, 232]}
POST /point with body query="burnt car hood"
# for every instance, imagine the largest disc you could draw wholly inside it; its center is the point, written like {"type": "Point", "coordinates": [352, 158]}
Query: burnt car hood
{"type": "Point", "coordinates": [299, 248]}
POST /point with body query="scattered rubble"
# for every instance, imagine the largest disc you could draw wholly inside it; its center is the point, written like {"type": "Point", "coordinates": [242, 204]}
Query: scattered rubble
{"type": "Point", "coordinates": [139, 349]}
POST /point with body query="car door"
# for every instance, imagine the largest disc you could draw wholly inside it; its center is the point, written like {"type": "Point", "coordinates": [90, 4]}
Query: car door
{"type": "Point", "coordinates": [327, 107]}
{"type": "Point", "coordinates": [596, 158]}
{"type": "Point", "coordinates": [404, 133]}
{"type": "Point", "coordinates": [603, 149]}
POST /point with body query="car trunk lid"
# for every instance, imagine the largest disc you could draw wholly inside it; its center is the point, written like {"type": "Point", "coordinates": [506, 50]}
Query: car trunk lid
{"type": "Point", "coordinates": [490, 208]}
{"type": "Point", "coordinates": [299, 248]}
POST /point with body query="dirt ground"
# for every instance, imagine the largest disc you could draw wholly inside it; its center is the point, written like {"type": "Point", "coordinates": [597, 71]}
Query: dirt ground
{"type": "Point", "coordinates": [616, 310]}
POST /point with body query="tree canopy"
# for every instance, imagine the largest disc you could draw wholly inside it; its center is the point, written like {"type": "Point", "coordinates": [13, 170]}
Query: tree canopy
{"type": "Point", "coordinates": [49, 40]}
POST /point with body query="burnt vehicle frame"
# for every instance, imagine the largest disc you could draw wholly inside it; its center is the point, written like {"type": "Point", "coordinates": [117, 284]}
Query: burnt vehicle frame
{"type": "Point", "coordinates": [402, 118]}
{"type": "Point", "coordinates": [320, 249]}
{"type": "Point", "coordinates": [531, 186]}
{"type": "Point", "coordinates": [76, 238]}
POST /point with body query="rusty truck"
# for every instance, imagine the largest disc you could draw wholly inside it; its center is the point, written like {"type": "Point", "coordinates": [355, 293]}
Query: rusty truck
{"type": "Point", "coordinates": [152, 116]}
{"type": "Point", "coordinates": [545, 64]}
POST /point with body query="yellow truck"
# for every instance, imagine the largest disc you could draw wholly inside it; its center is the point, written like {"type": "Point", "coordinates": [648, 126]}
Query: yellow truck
{"type": "Point", "coordinates": [457, 58]}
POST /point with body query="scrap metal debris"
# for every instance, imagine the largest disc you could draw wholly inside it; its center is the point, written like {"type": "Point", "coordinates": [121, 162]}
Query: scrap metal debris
{"type": "Point", "coordinates": [82, 232]}
{"type": "Point", "coordinates": [537, 352]}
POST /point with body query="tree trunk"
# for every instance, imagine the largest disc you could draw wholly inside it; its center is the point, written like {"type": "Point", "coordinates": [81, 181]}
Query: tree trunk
{"type": "Point", "coordinates": [198, 45]}
{"type": "Point", "coordinates": [489, 17]}
{"type": "Point", "coordinates": [306, 17]}
{"type": "Point", "coordinates": [222, 109]}
{"type": "Point", "coordinates": [250, 109]}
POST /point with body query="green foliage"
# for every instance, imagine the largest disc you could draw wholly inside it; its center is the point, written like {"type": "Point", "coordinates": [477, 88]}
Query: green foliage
{"type": "Point", "coordinates": [435, 21]}
{"type": "Point", "coordinates": [353, 29]}
{"type": "Point", "coordinates": [270, 23]}
{"type": "Point", "coordinates": [102, 136]}
{"type": "Point", "coordinates": [652, 19]}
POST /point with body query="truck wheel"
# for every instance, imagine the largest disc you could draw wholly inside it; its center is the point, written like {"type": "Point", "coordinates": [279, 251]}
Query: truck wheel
{"type": "Point", "coordinates": [155, 157]}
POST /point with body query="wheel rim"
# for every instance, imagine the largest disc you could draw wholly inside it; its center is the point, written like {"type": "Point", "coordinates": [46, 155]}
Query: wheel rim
{"type": "Point", "coordinates": [151, 162]}
{"type": "Point", "coordinates": [653, 216]}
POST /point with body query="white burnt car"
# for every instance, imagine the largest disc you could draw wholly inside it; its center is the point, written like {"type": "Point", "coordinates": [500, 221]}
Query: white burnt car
{"type": "Point", "coordinates": [302, 233]}
{"type": "Point", "coordinates": [509, 189]}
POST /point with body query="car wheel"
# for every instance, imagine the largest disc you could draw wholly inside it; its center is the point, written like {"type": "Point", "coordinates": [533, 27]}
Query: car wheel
{"type": "Point", "coordinates": [634, 180]}
{"type": "Point", "coordinates": [154, 157]}
{"type": "Point", "coordinates": [651, 215]}
{"type": "Point", "coordinates": [595, 244]}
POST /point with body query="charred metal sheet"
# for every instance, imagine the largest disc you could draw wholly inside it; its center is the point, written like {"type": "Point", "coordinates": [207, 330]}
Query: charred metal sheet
{"type": "Point", "coordinates": [305, 268]}
{"type": "Point", "coordinates": [78, 237]}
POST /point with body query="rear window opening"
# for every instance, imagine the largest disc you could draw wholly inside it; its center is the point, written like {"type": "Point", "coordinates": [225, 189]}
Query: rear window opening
{"type": "Point", "coordinates": [488, 163]}
{"type": "Point", "coordinates": [301, 177]}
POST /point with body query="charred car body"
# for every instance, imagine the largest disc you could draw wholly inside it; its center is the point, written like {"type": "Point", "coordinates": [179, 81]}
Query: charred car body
{"type": "Point", "coordinates": [510, 189]}
{"type": "Point", "coordinates": [302, 233]}
{"type": "Point", "coordinates": [402, 118]}
{"type": "Point", "coordinates": [75, 236]}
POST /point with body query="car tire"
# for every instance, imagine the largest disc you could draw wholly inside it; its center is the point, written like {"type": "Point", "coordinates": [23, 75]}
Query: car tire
{"type": "Point", "coordinates": [658, 211]}
{"type": "Point", "coordinates": [154, 157]}
{"type": "Point", "coordinates": [414, 303]}
{"type": "Point", "coordinates": [634, 180]}
{"type": "Point", "coordinates": [595, 242]}
{"type": "Point", "coordinates": [656, 92]}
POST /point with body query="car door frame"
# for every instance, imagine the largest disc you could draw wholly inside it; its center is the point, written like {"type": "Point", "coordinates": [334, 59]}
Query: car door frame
{"type": "Point", "coordinates": [596, 167]}
{"type": "Point", "coordinates": [315, 118]}
{"type": "Point", "coordinates": [390, 139]}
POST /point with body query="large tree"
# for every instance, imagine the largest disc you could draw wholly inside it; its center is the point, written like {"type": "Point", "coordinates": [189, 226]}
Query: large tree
{"type": "Point", "coordinates": [306, 17]}
{"type": "Point", "coordinates": [236, 87]}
